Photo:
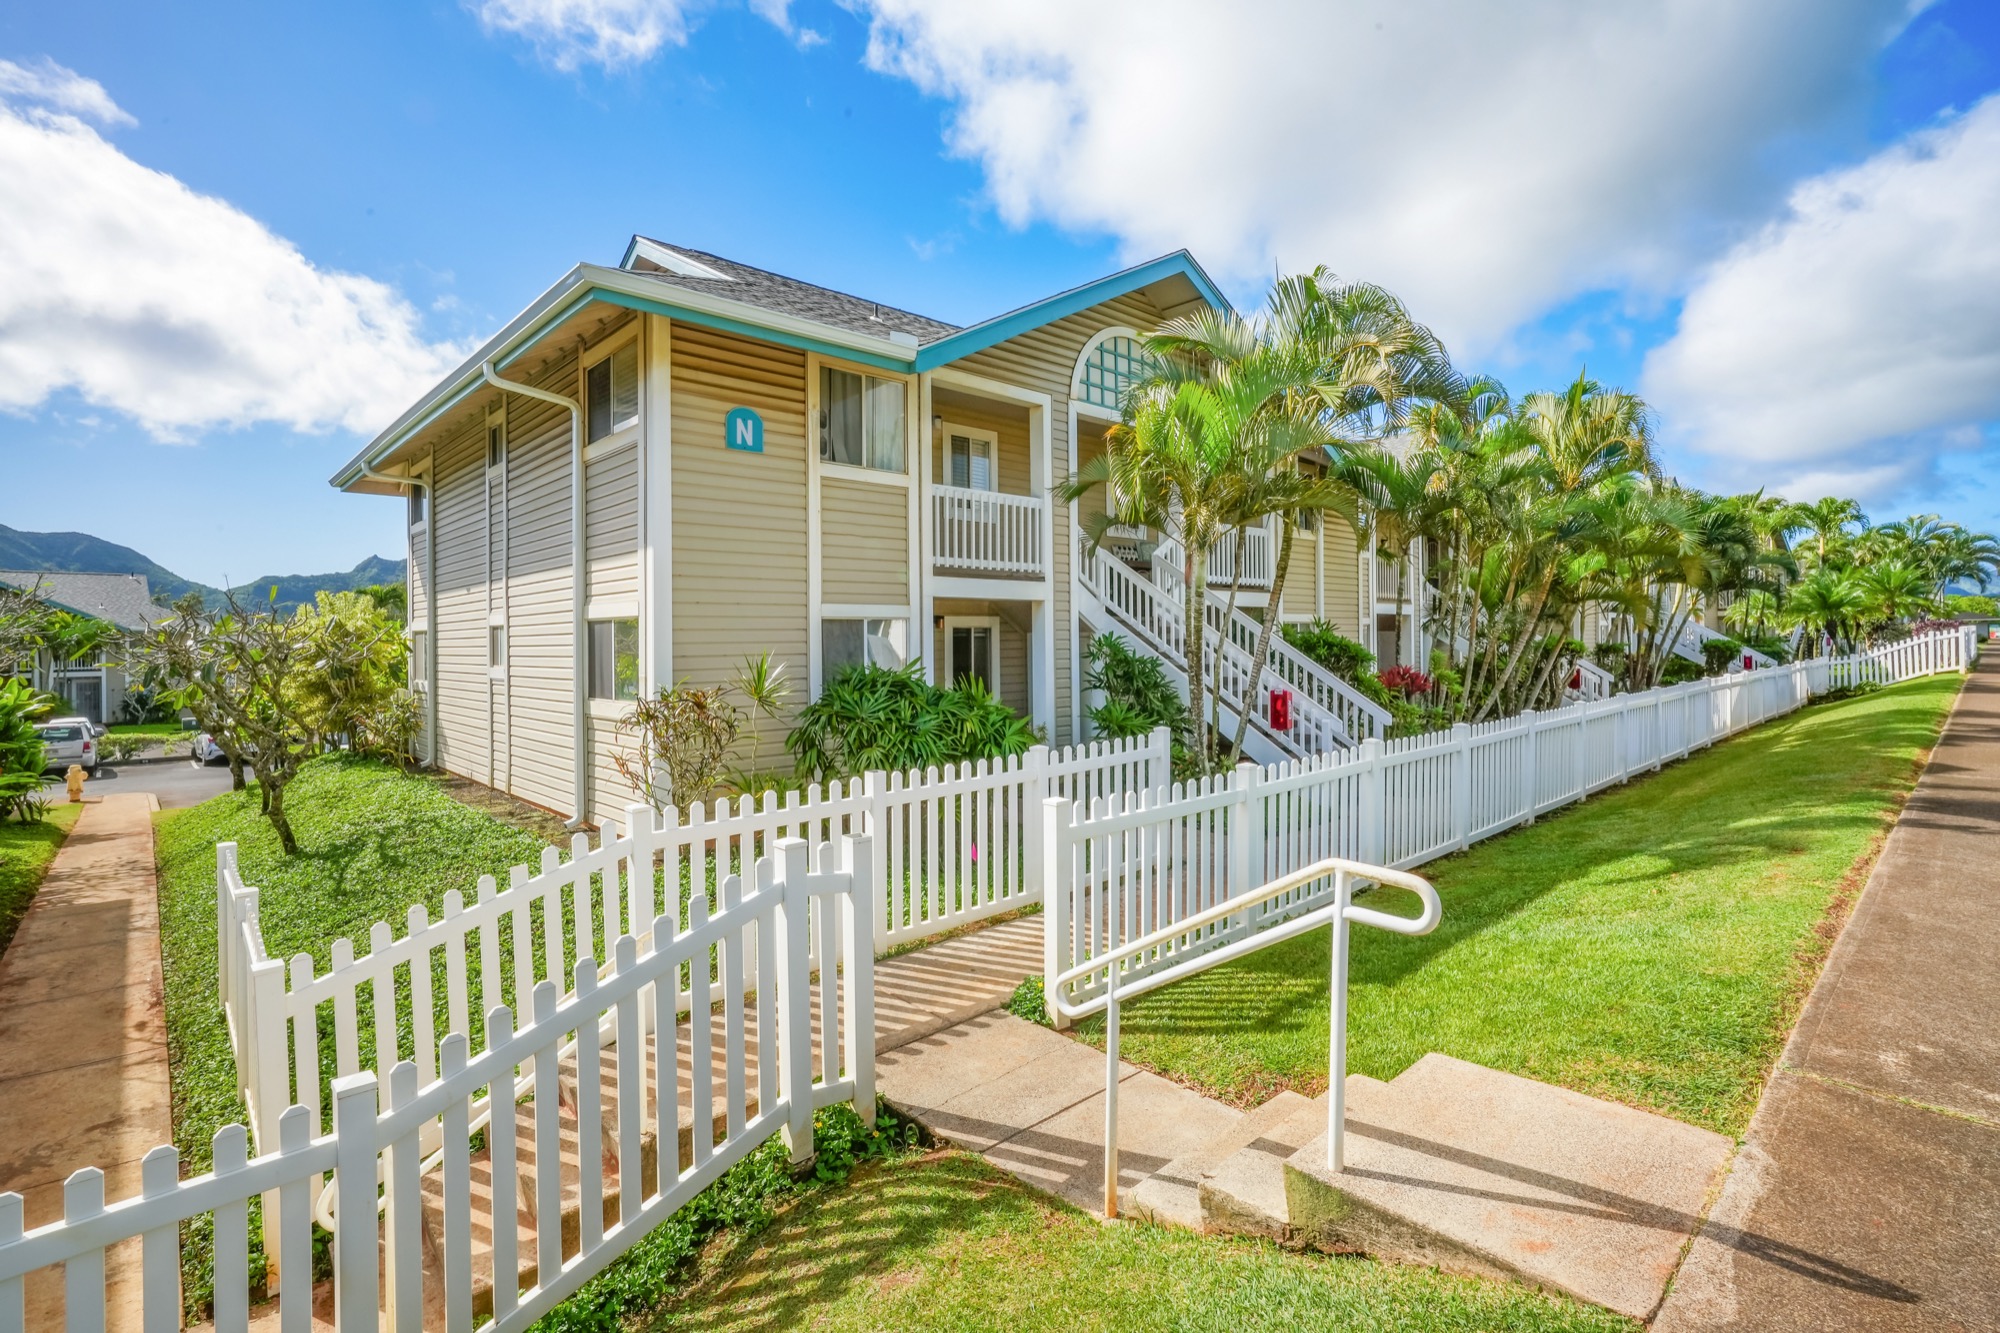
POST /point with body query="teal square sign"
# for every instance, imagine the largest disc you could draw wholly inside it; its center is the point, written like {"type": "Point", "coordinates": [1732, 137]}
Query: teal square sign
{"type": "Point", "coordinates": [743, 429]}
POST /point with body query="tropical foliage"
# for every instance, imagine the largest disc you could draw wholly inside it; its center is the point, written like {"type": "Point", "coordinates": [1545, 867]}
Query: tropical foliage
{"type": "Point", "coordinates": [871, 717]}
{"type": "Point", "coordinates": [1517, 527]}
{"type": "Point", "coordinates": [22, 756]}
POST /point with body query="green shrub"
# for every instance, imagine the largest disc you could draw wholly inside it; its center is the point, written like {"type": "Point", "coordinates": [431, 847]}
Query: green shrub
{"type": "Point", "coordinates": [1330, 649]}
{"type": "Point", "coordinates": [1967, 606]}
{"type": "Point", "coordinates": [1773, 646]}
{"type": "Point", "coordinates": [871, 717]}
{"type": "Point", "coordinates": [1722, 654]}
{"type": "Point", "coordinates": [1678, 671]}
{"type": "Point", "coordinates": [1030, 1002]}
{"type": "Point", "coordinates": [1138, 693]}
{"type": "Point", "coordinates": [22, 755]}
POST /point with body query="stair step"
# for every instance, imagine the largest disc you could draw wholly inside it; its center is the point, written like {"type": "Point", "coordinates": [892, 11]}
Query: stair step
{"type": "Point", "coordinates": [1172, 1195]}
{"type": "Point", "coordinates": [1490, 1174]}
{"type": "Point", "coordinates": [1244, 1195]}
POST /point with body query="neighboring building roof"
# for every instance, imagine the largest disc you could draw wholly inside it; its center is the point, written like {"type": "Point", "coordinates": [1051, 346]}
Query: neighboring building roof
{"type": "Point", "coordinates": [697, 270]}
{"type": "Point", "coordinates": [125, 600]}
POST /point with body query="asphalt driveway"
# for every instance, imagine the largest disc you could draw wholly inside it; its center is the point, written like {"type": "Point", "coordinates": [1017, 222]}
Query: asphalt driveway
{"type": "Point", "coordinates": [177, 782]}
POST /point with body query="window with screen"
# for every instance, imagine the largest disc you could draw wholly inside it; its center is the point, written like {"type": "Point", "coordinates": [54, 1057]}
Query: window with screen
{"type": "Point", "coordinates": [419, 506]}
{"type": "Point", "coordinates": [970, 462]}
{"type": "Point", "coordinates": [861, 420]}
{"type": "Point", "coordinates": [614, 659]}
{"type": "Point", "coordinates": [849, 643]}
{"type": "Point", "coordinates": [496, 646]}
{"type": "Point", "coordinates": [419, 645]}
{"type": "Point", "coordinates": [611, 394]}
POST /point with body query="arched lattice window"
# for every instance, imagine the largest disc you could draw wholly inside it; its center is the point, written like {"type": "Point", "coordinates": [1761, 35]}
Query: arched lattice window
{"type": "Point", "coordinates": [1108, 366]}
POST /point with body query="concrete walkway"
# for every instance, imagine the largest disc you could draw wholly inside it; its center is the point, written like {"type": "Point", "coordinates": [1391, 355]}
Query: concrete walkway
{"type": "Point", "coordinates": [1867, 1194]}
{"type": "Point", "coordinates": [83, 1036]}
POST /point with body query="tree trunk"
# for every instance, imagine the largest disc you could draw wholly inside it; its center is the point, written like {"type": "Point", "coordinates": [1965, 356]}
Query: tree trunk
{"type": "Point", "coordinates": [236, 782]}
{"type": "Point", "coordinates": [1241, 549]}
{"type": "Point", "coordinates": [274, 810]}
{"type": "Point", "coordinates": [1194, 587]}
{"type": "Point", "coordinates": [1520, 645]}
{"type": "Point", "coordinates": [1264, 632]}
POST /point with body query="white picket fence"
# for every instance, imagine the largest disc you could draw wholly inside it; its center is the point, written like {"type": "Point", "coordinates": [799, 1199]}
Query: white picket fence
{"type": "Point", "coordinates": [741, 906]}
{"type": "Point", "coordinates": [1124, 867]}
{"type": "Point", "coordinates": [789, 913]}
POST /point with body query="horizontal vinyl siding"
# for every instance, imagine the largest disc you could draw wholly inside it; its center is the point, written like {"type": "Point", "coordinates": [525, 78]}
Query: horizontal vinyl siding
{"type": "Point", "coordinates": [459, 525]}
{"type": "Point", "coordinates": [739, 519]}
{"type": "Point", "coordinates": [1012, 650]}
{"type": "Point", "coordinates": [865, 542]}
{"type": "Point", "coordinates": [610, 793]}
{"type": "Point", "coordinates": [1043, 359]}
{"type": "Point", "coordinates": [611, 526]}
{"type": "Point", "coordinates": [540, 631]}
{"type": "Point", "coordinates": [1010, 429]}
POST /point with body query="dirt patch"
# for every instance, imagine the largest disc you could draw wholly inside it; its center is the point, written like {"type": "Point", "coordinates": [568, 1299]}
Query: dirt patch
{"type": "Point", "coordinates": [511, 810]}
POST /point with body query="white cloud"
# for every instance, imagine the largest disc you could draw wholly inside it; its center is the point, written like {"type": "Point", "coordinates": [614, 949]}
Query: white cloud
{"type": "Point", "coordinates": [1483, 160]}
{"type": "Point", "coordinates": [48, 84]}
{"type": "Point", "coordinates": [611, 33]}
{"type": "Point", "coordinates": [175, 308]}
{"type": "Point", "coordinates": [1857, 339]}
{"type": "Point", "coordinates": [615, 33]}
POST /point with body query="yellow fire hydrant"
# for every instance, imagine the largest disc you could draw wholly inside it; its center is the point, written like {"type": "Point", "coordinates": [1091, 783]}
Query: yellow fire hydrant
{"type": "Point", "coordinates": [75, 778]}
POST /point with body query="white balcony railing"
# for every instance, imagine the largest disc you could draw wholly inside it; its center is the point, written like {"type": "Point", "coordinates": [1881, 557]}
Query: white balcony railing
{"type": "Point", "coordinates": [987, 532]}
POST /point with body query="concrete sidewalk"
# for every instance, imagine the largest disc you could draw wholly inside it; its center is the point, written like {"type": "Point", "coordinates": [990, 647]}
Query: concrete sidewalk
{"type": "Point", "coordinates": [83, 1037]}
{"type": "Point", "coordinates": [1867, 1195]}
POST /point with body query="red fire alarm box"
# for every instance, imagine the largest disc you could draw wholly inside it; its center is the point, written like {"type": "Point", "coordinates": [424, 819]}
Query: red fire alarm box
{"type": "Point", "coordinates": [1576, 679]}
{"type": "Point", "coordinates": [1281, 710]}
{"type": "Point", "coordinates": [1748, 661]}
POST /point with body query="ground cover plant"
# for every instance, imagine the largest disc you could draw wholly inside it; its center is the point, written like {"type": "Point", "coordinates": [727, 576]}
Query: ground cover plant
{"type": "Point", "coordinates": [25, 853]}
{"type": "Point", "coordinates": [948, 1242]}
{"type": "Point", "coordinates": [373, 840]}
{"type": "Point", "coordinates": [1650, 946]}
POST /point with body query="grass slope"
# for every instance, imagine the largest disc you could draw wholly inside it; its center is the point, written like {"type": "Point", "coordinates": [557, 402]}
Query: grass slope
{"type": "Point", "coordinates": [950, 1243]}
{"type": "Point", "coordinates": [25, 853]}
{"type": "Point", "coordinates": [1650, 946]}
{"type": "Point", "coordinates": [374, 840]}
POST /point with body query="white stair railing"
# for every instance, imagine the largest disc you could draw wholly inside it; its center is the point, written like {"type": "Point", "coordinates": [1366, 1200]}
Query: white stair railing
{"type": "Point", "coordinates": [1321, 894]}
{"type": "Point", "coordinates": [1153, 618]}
{"type": "Point", "coordinates": [1589, 682]}
{"type": "Point", "coordinates": [1357, 716]}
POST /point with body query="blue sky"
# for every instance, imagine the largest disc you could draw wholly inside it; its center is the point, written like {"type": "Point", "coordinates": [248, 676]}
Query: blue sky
{"type": "Point", "coordinates": [268, 226]}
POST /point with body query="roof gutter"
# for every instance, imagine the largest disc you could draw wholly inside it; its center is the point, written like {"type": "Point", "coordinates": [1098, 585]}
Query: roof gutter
{"type": "Point", "coordinates": [580, 766]}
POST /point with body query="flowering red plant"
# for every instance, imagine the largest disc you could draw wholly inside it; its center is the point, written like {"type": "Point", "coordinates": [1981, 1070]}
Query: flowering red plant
{"type": "Point", "coordinates": [1405, 680]}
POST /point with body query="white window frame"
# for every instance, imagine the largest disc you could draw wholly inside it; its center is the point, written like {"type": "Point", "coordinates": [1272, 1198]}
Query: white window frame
{"type": "Point", "coordinates": [422, 525]}
{"type": "Point", "coordinates": [989, 623]}
{"type": "Point", "coordinates": [1084, 406]}
{"type": "Point", "coordinates": [595, 356]}
{"type": "Point", "coordinates": [851, 611]}
{"type": "Point", "coordinates": [828, 467]}
{"type": "Point", "coordinates": [991, 440]}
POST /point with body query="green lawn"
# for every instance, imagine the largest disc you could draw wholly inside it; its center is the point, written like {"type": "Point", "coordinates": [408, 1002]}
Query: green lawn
{"type": "Point", "coordinates": [373, 841]}
{"type": "Point", "coordinates": [25, 853]}
{"type": "Point", "coordinates": [148, 729]}
{"type": "Point", "coordinates": [1650, 946]}
{"type": "Point", "coordinates": [949, 1243]}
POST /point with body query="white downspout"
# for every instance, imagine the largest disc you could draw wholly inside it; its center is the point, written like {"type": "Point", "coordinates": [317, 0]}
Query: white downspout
{"type": "Point", "coordinates": [576, 556]}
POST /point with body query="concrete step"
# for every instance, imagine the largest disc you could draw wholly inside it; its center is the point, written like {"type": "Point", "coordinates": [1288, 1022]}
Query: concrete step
{"type": "Point", "coordinates": [1244, 1195]}
{"type": "Point", "coordinates": [1172, 1195]}
{"type": "Point", "coordinates": [1489, 1174]}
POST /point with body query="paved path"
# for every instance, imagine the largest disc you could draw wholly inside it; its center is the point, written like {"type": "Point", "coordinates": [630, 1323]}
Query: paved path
{"type": "Point", "coordinates": [1867, 1195]}
{"type": "Point", "coordinates": [83, 1037]}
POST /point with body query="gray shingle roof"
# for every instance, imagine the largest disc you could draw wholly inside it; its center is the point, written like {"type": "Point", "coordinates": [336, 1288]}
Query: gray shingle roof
{"type": "Point", "coordinates": [786, 296]}
{"type": "Point", "coordinates": [123, 599]}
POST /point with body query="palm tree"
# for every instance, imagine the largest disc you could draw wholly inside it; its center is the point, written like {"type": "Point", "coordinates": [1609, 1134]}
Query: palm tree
{"type": "Point", "coordinates": [1895, 592]}
{"type": "Point", "coordinates": [1827, 520]}
{"type": "Point", "coordinates": [1829, 601]}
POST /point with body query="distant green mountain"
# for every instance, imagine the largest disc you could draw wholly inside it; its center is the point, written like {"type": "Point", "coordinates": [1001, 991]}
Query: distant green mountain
{"type": "Point", "coordinates": [295, 589]}
{"type": "Point", "coordinates": [81, 553]}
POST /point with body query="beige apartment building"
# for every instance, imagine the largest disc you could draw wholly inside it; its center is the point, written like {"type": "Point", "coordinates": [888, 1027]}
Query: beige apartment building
{"type": "Point", "coordinates": [660, 469]}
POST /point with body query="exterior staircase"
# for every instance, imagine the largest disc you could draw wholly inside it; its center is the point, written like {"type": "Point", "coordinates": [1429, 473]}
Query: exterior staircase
{"type": "Point", "coordinates": [1327, 714]}
{"type": "Point", "coordinates": [1449, 1164]}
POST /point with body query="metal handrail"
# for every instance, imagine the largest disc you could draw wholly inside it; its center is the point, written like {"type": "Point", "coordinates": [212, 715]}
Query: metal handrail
{"type": "Point", "coordinates": [1338, 914]}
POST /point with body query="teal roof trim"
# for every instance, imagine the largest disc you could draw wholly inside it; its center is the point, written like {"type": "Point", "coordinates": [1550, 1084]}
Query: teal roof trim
{"type": "Point", "coordinates": [979, 337]}
{"type": "Point", "coordinates": [761, 332]}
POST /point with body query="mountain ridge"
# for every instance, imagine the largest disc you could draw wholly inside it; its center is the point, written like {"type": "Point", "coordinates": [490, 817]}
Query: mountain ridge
{"type": "Point", "coordinates": [82, 553]}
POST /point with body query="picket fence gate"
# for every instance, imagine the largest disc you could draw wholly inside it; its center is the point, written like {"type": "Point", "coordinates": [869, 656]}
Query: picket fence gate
{"type": "Point", "coordinates": [1124, 866]}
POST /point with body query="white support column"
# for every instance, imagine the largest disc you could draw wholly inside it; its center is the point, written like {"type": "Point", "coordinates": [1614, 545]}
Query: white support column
{"type": "Point", "coordinates": [924, 547]}
{"type": "Point", "coordinates": [656, 513]}
{"type": "Point", "coordinates": [1042, 666]}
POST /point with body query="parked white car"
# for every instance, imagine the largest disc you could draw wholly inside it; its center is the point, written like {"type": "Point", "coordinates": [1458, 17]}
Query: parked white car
{"type": "Point", "coordinates": [207, 752]}
{"type": "Point", "coordinates": [69, 740]}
